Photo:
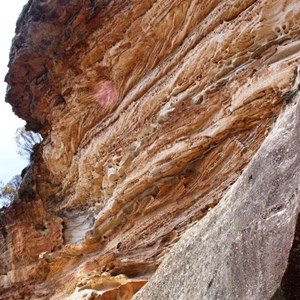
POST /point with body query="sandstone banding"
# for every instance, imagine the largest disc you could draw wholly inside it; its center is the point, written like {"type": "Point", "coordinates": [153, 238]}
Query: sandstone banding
{"type": "Point", "coordinates": [149, 111]}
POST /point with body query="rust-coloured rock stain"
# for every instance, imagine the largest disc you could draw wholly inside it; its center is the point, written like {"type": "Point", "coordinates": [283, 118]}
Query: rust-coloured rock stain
{"type": "Point", "coordinates": [149, 112]}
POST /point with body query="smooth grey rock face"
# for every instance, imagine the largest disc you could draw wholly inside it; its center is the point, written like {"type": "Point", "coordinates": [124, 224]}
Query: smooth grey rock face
{"type": "Point", "coordinates": [240, 249]}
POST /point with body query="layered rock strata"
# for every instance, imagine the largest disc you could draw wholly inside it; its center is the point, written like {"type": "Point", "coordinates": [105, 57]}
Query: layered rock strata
{"type": "Point", "coordinates": [149, 112]}
{"type": "Point", "coordinates": [240, 249]}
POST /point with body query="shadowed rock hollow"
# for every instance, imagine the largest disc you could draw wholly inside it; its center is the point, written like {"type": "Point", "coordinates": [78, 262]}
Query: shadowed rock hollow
{"type": "Point", "coordinates": [150, 111]}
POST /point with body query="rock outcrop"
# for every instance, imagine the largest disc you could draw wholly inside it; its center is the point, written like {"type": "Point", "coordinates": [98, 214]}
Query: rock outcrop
{"type": "Point", "coordinates": [150, 111]}
{"type": "Point", "coordinates": [240, 249]}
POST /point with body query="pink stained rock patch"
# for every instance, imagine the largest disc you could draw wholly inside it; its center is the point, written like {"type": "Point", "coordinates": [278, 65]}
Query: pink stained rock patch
{"type": "Point", "coordinates": [106, 94]}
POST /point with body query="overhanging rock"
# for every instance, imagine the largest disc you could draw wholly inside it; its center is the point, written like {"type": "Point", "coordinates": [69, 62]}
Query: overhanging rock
{"type": "Point", "coordinates": [240, 249]}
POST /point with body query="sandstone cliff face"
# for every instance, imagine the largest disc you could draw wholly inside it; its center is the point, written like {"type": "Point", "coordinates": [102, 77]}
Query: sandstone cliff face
{"type": "Point", "coordinates": [150, 111]}
{"type": "Point", "coordinates": [240, 250]}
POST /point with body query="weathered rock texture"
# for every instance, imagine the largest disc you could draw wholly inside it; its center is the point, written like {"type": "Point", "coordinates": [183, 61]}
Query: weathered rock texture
{"type": "Point", "coordinates": [150, 111]}
{"type": "Point", "coordinates": [240, 250]}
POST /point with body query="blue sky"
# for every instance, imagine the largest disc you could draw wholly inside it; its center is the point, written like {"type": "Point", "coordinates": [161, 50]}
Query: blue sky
{"type": "Point", "coordinates": [10, 162]}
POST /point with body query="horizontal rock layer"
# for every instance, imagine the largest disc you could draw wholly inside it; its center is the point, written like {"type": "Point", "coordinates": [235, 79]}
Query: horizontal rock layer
{"type": "Point", "coordinates": [150, 111]}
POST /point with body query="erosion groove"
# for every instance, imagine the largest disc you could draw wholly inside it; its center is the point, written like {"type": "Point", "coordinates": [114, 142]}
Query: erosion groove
{"type": "Point", "coordinates": [150, 111]}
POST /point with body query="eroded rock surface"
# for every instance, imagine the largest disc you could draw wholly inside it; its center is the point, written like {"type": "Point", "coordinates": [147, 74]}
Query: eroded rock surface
{"type": "Point", "coordinates": [150, 111]}
{"type": "Point", "coordinates": [240, 249]}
